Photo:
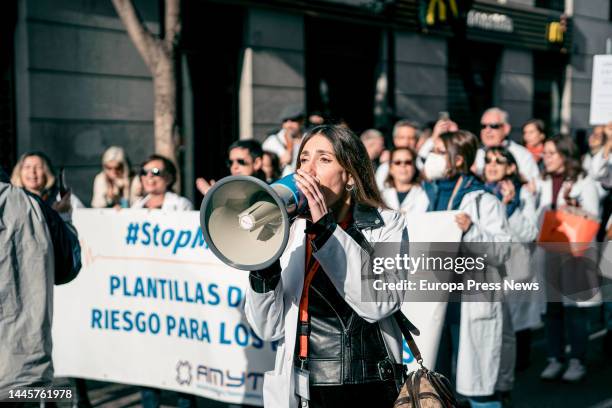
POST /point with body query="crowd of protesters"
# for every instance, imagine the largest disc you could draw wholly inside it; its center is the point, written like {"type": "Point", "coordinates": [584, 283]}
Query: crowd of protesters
{"type": "Point", "coordinates": [500, 187]}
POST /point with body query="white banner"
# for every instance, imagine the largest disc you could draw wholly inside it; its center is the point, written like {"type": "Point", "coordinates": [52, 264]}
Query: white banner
{"type": "Point", "coordinates": [601, 90]}
{"type": "Point", "coordinates": [428, 317]}
{"type": "Point", "coordinates": [152, 306]}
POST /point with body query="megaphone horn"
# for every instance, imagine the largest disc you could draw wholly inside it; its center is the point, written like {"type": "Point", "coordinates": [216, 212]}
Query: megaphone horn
{"type": "Point", "coordinates": [246, 222]}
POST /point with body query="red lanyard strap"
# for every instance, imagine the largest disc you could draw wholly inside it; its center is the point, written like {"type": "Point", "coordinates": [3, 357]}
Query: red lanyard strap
{"type": "Point", "coordinates": [304, 329]}
{"type": "Point", "coordinates": [312, 266]}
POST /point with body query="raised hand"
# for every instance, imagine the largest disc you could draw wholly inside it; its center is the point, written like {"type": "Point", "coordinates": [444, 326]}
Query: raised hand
{"type": "Point", "coordinates": [311, 189]}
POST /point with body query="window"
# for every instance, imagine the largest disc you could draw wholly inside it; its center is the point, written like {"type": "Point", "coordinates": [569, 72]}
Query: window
{"type": "Point", "coordinates": [558, 5]}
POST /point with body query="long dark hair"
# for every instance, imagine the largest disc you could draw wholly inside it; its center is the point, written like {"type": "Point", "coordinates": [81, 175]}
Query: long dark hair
{"type": "Point", "coordinates": [353, 157]}
{"type": "Point", "coordinates": [417, 174]}
{"type": "Point", "coordinates": [276, 170]}
{"type": "Point", "coordinates": [571, 156]}
{"type": "Point", "coordinates": [505, 153]}
{"type": "Point", "coordinates": [460, 143]}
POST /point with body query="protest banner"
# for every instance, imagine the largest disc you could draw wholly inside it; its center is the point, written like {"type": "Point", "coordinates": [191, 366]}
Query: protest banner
{"type": "Point", "coordinates": [153, 306]}
{"type": "Point", "coordinates": [601, 91]}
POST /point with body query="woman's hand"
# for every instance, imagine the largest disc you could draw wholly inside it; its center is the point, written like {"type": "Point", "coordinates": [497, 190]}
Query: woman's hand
{"type": "Point", "coordinates": [508, 191]}
{"type": "Point", "coordinates": [463, 221]}
{"type": "Point", "coordinates": [309, 186]}
{"type": "Point", "coordinates": [203, 186]}
{"type": "Point", "coordinates": [63, 205]}
{"type": "Point", "coordinates": [443, 126]}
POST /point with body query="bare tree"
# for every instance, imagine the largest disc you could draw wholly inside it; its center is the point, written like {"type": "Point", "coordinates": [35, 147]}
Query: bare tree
{"type": "Point", "coordinates": [159, 54]}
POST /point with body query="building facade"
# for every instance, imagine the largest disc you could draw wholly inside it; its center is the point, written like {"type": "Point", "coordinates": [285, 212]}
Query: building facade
{"type": "Point", "coordinates": [77, 85]}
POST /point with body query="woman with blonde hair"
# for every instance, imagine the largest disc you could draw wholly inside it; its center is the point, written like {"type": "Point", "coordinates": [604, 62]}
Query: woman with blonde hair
{"type": "Point", "coordinates": [111, 186]}
{"type": "Point", "coordinates": [34, 172]}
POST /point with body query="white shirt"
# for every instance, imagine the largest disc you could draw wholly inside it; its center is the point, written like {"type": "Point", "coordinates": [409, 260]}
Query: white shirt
{"type": "Point", "coordinates": [276, 144]}
{"type": "Point", "coordinates": [416, 200]}
{"type": "Point", "coordinates": [172, 202]}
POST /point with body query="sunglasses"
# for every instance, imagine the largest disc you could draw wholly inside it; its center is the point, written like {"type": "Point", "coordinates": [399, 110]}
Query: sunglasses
{"type": "Point", "coordinates": [402, 162]}
{"type": "Point", "coordinates": [153, 172]}
{"type": "Point", "coordinates": [241, 162]}
{"type": "Point", "coordinates": [498, 160]}
{"type": "Point", "coordinates": [494, 126]}
{"type": "Point", "coordinates": [116, 168]}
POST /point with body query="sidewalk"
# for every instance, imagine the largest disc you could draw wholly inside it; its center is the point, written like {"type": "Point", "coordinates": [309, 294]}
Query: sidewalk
{"type": "Point", "coordinates": [595, 391]}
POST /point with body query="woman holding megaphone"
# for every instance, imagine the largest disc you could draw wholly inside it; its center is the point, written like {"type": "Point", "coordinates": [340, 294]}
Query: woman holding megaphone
{"type": "Point", "coordinates": [335, 348]}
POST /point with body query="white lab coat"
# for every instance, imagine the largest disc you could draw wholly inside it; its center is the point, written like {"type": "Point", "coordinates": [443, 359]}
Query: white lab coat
{"type": "Point", "coordinates": [415, 202]}
{"type": "Point", "coordinates": [584, 190]}
{"type": "Point", "coordinates": [523, 221]}
{"type": "Point", "coordinates": [527, 166]}
{"type": "Point", "coordinates": [480, 331]}
{"type": "Point", "coordinates": [274, 315]}
{"type": "Point", "coordinates": [600, 170]}
{"type": "Point", "coordinates": [172, 202]}
{"type": "Point", "coordinates": [382, 172]}
{"type": "Point", "coordinates": [525, 308]}
{"type": "Point", "coordinates": [276, 144]}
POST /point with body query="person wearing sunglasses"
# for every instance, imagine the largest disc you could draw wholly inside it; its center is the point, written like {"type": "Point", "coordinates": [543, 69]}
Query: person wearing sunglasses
{"type": "Point", "coordinates": [402, 190]}
{"type": "Point", "coordinates": [245, 158]}
{"type": "Point", "coordinates": [521, 310]}
{"type": "Point", "coordinates": [158, 175]}
{"type": "Point", "coordinates": [494, 131]}
{"type": "Point", "coordinates": [111, 188]}
{"type": "Point", "coordinates": [405, 134]}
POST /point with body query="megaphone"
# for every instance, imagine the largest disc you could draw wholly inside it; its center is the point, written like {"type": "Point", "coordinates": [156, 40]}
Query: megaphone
{"type": "Point", "coordinates": [246, 222]}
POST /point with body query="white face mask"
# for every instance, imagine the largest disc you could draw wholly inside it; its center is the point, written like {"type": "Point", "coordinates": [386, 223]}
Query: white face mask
{"type": "Point", "coordinates": [435, 166]}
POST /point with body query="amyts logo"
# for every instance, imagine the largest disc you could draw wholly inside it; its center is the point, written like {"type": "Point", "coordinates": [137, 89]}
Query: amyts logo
{"type": "Point", "coordinates": [183, 373]}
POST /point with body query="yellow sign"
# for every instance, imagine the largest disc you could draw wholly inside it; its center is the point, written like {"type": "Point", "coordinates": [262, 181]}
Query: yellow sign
{"type": "Point", "coordinates": [554, 32]}
{"type": "Point", "coordinates": [441, 6]}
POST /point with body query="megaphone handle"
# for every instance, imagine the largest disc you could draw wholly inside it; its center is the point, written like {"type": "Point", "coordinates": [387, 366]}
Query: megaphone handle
{"type": "Point", "coordinates": [265, 280]}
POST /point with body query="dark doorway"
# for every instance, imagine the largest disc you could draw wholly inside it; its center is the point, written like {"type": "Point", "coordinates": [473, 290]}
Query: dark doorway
{"type": "Point", "coordinates": [472, 69]}
{"type": "Point", "coordinates": [8, 137]}
{"type": "Point", "coordinates": [212, 43]}
{"type": "Point", "coordinates": [341, 60]}
{"type": "Point", "coordinates": [549, 74]}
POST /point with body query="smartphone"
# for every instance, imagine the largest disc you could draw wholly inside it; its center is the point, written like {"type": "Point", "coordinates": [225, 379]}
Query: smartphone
{"type": "Point", "coordinates": [443, 116]}
{"type": "Point", "coordinates": [61, 183]}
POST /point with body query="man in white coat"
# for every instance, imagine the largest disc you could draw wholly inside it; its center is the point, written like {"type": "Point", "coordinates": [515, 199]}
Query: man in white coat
{"type": "Point", "coordinates": [494, 131]}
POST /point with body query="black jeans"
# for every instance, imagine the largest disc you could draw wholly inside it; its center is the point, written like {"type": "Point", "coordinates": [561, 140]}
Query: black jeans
{"type": "Point", "coordinates": [570, 321]}
{"type": "Point", "coordinates": [378, 394]}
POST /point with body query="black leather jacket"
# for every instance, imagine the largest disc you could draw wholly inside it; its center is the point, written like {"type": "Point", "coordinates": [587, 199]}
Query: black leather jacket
{"type": "Point", "coordinates": [343, 347]}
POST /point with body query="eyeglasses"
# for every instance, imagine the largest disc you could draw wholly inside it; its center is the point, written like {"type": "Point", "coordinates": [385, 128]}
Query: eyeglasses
{"type": "Point", "coordinates": [402, 162]}
{"type": "Point", "coordinates": [153, 172]}
{"type": "Point", "coordinates": [241, 162]}
{"type": "Point", "coordinates": [493, 126]}
{"type": "Point", "coordinates": [498, 160]}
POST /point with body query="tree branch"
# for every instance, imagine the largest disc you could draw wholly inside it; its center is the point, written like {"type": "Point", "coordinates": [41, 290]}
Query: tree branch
{"type": "Point", "coordinates": [142, 38]}
{"type": "Point", "coordinates": [172, 23]}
